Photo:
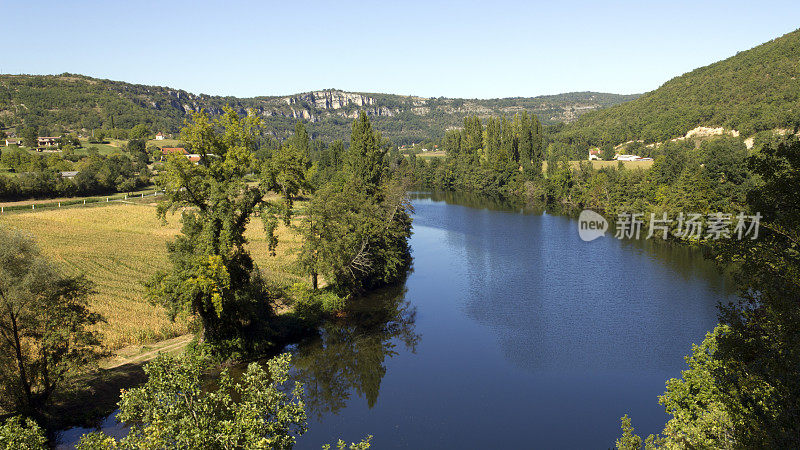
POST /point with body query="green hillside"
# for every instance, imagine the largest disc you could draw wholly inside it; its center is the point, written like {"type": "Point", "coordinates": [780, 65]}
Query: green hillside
{"type": "Point", "coordinates": [754, 90]}
{"type": "Point", "coordinates": [75, 102]}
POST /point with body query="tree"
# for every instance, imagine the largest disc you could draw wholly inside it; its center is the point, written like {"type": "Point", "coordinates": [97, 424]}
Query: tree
{"type": "Point", "coordinates": [140, 131]}
{"type": "Point", "coordinates": [607, 152]}
{"type": "Point", "coordinates": [136, 146]}
{"type": "Point", "coordinates": [699, 417]}
{"type": "Point", "coordinates": [629, 440]}
{"type": "Point", "coordinates": [300, 139]}
{"type": "Point", "coordinates": [176, 409]}
{"type": "Point", "coordinates": [30, 137]}
{"type": "Point", "coordinates": [213, 275]}
{"type": "Point", "coordinates": [20, 434]}
{"type": "Point", "coordinates": [760, 355]}
{"type": "Point", "coordinates": [285, 172]}
{"type": "Point", "coordinates": [46, 329]}
{"type": "Point", "coordinates": [357, 227]}
{"type": "Point", "coordinates": [364, 160]}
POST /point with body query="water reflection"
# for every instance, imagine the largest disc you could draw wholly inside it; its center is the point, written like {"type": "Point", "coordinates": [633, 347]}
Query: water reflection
{"type": "Point", "coordinates": [561, 305]}
{"type": "Point", "coordinates": [350, 354]}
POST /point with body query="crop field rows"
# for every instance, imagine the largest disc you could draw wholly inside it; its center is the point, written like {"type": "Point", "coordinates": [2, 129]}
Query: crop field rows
{"type": "Point", "coordinates": [119, 246]}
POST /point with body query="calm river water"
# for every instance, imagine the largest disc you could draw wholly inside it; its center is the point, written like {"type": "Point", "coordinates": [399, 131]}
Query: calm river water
{"type": "Point", "coordinates": [510, 332]}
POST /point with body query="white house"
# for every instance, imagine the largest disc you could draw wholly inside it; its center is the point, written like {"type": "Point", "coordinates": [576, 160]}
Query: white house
{"type": "Point", "coordinates": [159, 136]}
{"type": "Point", "coordinates": [627, 158]}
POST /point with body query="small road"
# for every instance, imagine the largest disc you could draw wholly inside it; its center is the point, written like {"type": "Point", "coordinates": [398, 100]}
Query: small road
{"type": "Point", "coordinates": [130, 355]}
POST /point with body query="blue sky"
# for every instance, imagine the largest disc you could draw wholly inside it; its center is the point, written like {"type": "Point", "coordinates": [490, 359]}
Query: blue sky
{"type": "Point", "coordinates": [454, 49]}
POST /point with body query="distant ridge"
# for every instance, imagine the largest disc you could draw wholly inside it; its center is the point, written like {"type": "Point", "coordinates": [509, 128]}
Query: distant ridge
{"type": "Point", "coordinates": [74, 102]}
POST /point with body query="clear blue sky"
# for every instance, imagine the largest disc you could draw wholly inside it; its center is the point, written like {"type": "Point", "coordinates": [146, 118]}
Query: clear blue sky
{"type": "Point", "coordinates": [484, 49]}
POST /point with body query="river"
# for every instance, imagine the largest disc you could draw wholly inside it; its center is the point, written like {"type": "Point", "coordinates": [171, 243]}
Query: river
{"type": "Point", "coordinates": [512, 332]}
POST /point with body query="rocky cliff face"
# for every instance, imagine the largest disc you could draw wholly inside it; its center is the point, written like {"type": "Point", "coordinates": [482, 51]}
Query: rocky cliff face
{"type": "Point", "coordinates": [331, 99]}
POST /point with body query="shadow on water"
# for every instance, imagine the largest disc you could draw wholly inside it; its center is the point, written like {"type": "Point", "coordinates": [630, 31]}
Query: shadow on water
{"type": "Point", "coordinates": [346, 357]}
{"type": "Point", "coordinates": [350, 353]}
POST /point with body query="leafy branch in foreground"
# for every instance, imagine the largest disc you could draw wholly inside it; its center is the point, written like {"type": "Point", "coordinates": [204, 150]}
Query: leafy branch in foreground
{"type": "Point", "coordinates": [176, 409]}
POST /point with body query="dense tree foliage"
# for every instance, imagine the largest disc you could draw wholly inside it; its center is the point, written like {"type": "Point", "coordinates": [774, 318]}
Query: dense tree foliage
{"type": "Point", "coordinates": [357, 227]}
{"type": "Point", "coordinates": [496, 158]}
{"type": "Point", "coordinates": [176, 409]}
{"type": "Point", "coordinates": [213, 275]}
{"type": "Point", "coordinates": [46, 329]}
{"type": "Point", "coordinates": [22, 434]}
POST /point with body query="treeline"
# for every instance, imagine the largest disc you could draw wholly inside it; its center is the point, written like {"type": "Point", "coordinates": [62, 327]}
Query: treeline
{"type": "Point", "coordinates": [689, 176]}
{"type": "Point", "coordinates": [508, 158]}
{"type": "Point", "coordinates": [494, 156]}
{"type": "Point", "coordinates": [39, 176]}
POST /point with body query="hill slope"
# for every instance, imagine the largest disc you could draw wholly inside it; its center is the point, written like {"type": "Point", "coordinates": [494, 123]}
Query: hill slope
{"type": "Point", "coordinates": [754, 90]}
{"type": "Point", "coordinates": [76, 102]}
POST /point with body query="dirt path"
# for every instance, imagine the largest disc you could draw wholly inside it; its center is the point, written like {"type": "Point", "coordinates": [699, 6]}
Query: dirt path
{"type": "Point", "coordinates": [139, 354]}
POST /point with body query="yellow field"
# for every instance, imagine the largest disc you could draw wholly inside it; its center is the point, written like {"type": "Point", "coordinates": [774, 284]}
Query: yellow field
{"type": "Point", "coordinates": [433, 154]}
{"type": "Point", "coordinates": [118, 246]}
{"type": "Point", "coordinates": [164, 143]}
{"type": "Point", "coordinates": [600, 164]}
{"type": "Point", "coordinates": [627, 164]}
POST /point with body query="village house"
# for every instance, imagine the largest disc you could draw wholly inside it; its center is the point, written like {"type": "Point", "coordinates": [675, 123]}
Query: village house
{"type": "Point", "coordinates": [47, 141]}
{"type": "Point", "coordinates": [12, 141]}
{"type": "Point", "coordinates": [159, 136]}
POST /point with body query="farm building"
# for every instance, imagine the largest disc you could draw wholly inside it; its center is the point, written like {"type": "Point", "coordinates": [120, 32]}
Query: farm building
{"type": "Point", "coordinates": [47, 141]}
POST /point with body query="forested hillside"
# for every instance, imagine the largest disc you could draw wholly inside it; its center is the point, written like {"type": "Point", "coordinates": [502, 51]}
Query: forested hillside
{"type": "Point", "coordinates": [754, 90]}
{"type": "Point", "coordinates": [69, 102]}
